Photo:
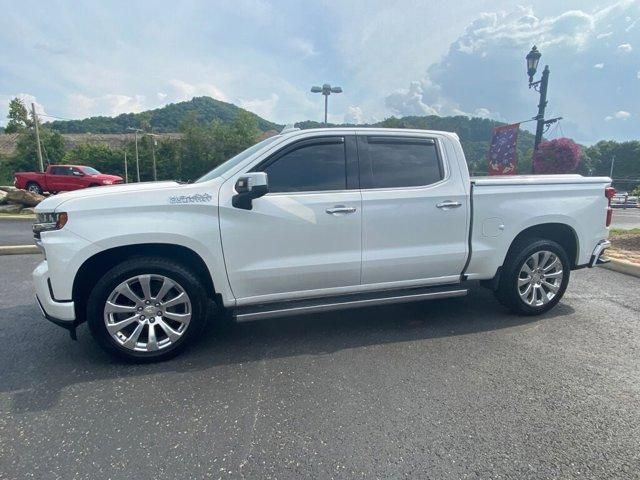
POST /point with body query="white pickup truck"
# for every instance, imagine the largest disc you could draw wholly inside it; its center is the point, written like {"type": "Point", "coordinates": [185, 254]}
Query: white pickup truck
{"type": "Point", "coordinates": [310, 221]}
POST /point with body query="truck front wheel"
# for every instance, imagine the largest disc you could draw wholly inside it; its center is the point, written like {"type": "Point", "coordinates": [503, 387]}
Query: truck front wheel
{"type": "Point", "coordinates": [534, 277]}
{"type": "Point", "coordinates": [146, 309]}
{"type": "Point", "coordinates": [33, 187]}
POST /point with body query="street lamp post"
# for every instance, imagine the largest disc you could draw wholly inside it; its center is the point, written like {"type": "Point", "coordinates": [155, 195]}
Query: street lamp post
{"type": "Point", "coordinates": [326, 90]}
{"type": "Point", "coordinates": [136, 130]}
{"type": "Point", "coordinates": [533, 57]}
{"type": "Point", "coordinates": [153, 154]}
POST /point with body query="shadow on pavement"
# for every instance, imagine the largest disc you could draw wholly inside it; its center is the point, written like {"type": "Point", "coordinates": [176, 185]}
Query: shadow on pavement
{"type": "Point", "coordinates": [39, 360]}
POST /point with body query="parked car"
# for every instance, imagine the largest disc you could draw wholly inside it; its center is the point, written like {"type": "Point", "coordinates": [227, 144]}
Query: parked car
{"type": "Point", "coordinates": [310, 221]}
{"type": "Point", "coordinates": [624, 200]}
{"type": "Point", "coordinates": [63, 178]}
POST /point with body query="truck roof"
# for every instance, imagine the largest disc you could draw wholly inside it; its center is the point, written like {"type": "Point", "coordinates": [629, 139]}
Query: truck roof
{"type": "Point", "coordinates": [291, 132]}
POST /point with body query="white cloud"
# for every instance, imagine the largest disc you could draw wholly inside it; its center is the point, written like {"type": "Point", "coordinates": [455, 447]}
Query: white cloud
{"type": "Point", "coordinates": [27, 99]}
{"type": "Point", "coordinates": [303, 47]}
{"type": "Point", "coordinates": [625, 48]}
{"type": "Point", "coordinates": [354, 115]}
{"type": "Point", "coordinates": [81, 105]}
{"type": "Point", "coordinates": [619, 115]}
{"type": "Point", "coordinates": [263, 107]}
{"type": "Point", "coordinates": [410, 102]}
{"type": "Point", "coordinates": [483, 72]}
{"type": "Point", "coordinates": [181, 91]}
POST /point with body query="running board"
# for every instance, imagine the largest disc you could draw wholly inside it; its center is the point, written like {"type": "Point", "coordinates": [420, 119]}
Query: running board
{"type": "Point", "coordinates": [343, 302]}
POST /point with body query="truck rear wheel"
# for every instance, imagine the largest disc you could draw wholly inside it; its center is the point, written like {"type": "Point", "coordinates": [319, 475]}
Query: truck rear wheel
{"type": "Point", "coordinates": [33, 187]}
{"type": "Point", "coordinates": [147, 309]}
{"type": "Point", "coordinates": [534, 277]}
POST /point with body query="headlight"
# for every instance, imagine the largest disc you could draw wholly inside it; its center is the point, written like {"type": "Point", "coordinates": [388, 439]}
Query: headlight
{"type": "Point", "coordinates": [107, 182]}
{"type": "Point", "coordinates": [46, 222]}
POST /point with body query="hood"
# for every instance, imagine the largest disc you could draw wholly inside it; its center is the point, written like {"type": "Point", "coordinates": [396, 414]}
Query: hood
{"type": "Point", "coordinates": [105, 176]}
{"type": "Point", "coordinates": [52, 202]}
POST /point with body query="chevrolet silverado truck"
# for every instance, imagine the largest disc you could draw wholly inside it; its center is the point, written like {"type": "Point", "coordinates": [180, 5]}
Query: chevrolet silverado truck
{"type": "Point", "coordinates": [63, 178]}
{"type": "Point", "coordinates": [310, 221]}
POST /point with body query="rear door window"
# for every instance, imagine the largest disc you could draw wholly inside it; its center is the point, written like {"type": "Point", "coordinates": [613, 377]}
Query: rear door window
{"type": "Point", "coordinates": [396, 162]}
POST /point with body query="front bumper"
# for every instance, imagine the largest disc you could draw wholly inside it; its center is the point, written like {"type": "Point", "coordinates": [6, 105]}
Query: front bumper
{"type": "Point", "coordinates": [596, 257]}
{"type": "Point", "coordinates": [60, 313]}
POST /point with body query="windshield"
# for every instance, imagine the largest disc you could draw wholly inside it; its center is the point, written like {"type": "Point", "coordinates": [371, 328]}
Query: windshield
{"type": "Point", "coordinates": [233, 161]}
{"type": "Point", "coordinates": [90, 171]}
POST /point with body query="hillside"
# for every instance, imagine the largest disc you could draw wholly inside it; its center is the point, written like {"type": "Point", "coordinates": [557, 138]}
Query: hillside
{"type": "Point", "coordinates": [162, 120]}
{"type": "Point", "coordinates": [475, 133]}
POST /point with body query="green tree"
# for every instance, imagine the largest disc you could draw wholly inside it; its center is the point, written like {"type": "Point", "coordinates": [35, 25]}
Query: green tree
{"type": "Point", "coordinates": [99, 156]}
{"type": "Point", "coordinates": [18, 117]}
{"type": "Point", "coordinates": [52, 145]}
{"type": "Point", "coordinates": [626, 155]}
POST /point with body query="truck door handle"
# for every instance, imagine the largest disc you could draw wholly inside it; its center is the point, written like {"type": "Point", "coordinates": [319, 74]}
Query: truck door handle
{"type": "Point", "coordinates": [340, 209]}
{"type": "Point", "coordinates": [446, 205]}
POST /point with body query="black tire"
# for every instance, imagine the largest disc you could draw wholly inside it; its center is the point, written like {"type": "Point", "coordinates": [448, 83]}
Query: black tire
{"type": "Point", "coordinates": [146, 266]}
{"type": "Point", "coordinates": [508, 292]}
{"type": "Point", "coordinates": [34, 187]}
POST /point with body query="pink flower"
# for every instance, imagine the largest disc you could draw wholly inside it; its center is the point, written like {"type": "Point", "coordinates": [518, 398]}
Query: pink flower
{"type": "Point", "coordinates": [556, 156]}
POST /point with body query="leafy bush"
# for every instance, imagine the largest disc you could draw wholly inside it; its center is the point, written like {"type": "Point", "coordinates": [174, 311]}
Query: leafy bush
{"type": "Point", "coordinates": [561, 155]}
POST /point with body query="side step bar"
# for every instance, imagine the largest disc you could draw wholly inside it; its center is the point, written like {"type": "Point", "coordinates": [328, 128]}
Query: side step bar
{"type": "Point", "coordinates": [343, 302]}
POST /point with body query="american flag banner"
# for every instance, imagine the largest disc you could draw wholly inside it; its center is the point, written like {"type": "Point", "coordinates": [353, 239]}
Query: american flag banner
{"type": "Point", "coordinates": [503, 153]}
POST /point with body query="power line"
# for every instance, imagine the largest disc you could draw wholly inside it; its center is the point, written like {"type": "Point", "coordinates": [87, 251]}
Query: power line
{"type": "Point", "coordinates": [56, 117]}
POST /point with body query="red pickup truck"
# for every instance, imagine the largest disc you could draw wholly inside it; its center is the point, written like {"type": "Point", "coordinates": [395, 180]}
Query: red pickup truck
{"type": "Point", "coordinates": [63, 178]}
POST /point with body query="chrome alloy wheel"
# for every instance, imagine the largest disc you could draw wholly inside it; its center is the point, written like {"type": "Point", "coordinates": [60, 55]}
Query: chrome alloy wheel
{"type": "Point", "coordinates": [147, 313]}
{"type": "Point", "coordinates": [540, 278]}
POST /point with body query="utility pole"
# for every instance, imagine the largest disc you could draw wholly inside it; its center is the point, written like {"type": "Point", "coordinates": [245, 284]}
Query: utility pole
{"type": "Point", "coordinates": [613, 161]}
{"type": "Point", "coordinates": [39, 147]}
{"type": "Point", "coordinates": [153, 154]}
{"type": "Point", "coordinates": [136, 130]}
{"type": "Point", "coordinates": [126, 171]}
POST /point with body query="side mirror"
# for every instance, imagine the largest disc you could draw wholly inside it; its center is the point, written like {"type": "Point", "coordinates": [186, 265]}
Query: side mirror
{"type": "Point", "coordinates": [76, 173]}
{"type": "Point", "coordinates": [249, 187]}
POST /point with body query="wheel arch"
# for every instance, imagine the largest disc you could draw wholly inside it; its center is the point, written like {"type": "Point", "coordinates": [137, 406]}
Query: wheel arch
{"type": "Point", "coordinates": [561, 233]}
{"type": "Point", "coordinates": [95, 266]}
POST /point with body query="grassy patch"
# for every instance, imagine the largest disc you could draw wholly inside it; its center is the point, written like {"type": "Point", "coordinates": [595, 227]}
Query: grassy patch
{"type": "Point", "coordinates": [614, 232]}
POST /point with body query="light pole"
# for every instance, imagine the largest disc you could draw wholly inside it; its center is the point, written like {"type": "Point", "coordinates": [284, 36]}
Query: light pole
{"type": "Point", "coordinates": [533, 57]}
{"type": "Point", "coordinates": [326, 90]}
{"type": "Point", "coordinates": [126, 169]}
{"type": "Point", "coordinates": [153, 154]}
{"type": "Point", "coordinates": [136, 130]}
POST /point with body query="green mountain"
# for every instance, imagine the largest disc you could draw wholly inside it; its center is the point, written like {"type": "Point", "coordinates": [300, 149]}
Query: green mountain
{"type": "Point", "coordinates": [162, 120]}
{"type": "Point", "coordinates": [474, 133]}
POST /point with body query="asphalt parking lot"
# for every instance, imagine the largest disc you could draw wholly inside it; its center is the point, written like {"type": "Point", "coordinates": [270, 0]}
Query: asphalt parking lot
{"type": "Point", "coordinates": [446, 389]}
{"type": "Point", "coordinates": [15, 232]}
{"type": "Point", "coordinates": [626, 218]}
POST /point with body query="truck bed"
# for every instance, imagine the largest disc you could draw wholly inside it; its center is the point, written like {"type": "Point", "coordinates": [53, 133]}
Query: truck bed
{"type": "Point", "coordinates": [504, 206]}
{"type": "Point", "coordinates": [538, 180]}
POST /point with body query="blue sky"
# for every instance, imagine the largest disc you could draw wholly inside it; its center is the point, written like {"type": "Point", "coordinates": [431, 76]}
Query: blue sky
{"type": "Point", "coordinates": [77, 59]}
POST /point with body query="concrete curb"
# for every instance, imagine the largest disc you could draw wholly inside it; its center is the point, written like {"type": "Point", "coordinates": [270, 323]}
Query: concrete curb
{"type": "Point", "coordinates": [18, 217]}
{"type": "Point", "coordinates": [18, 249]}
{"type": "Point", "coordinates": [623, 266]}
